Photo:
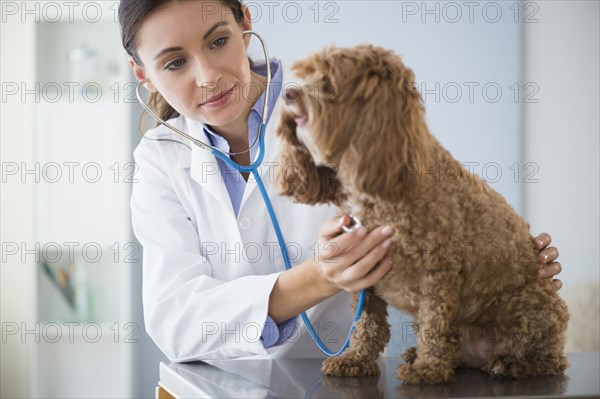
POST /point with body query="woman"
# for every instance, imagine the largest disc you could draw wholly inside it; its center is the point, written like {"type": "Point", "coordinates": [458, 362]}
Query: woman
{"type": "Point", "coordinates": [214, 284]}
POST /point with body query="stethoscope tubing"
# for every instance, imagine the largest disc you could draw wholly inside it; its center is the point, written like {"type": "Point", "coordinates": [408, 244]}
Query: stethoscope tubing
{"type": "Point", "coordinates": [286, 259]}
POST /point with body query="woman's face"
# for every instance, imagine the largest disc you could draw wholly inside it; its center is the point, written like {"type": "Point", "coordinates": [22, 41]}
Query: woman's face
{"type": "Point", "coordinates": [194, 54]}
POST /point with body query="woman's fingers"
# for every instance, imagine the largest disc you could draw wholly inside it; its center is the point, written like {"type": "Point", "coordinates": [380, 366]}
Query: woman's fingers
{"type": "Point", "coordinates": [542, 241]}
{"type": "Point", "coordinates": [379, 236]}
{"type": "Point", "coordinates": [355, 244]}
{"type": "Point", "coordinates": [373, 277]}
{"type": "Point", "coordinates": [548, 255]}
{"type": "Point", "coordinates": [352, 255]}
{"type": "Point", "coordinates": [340, 244]}
{"type": "Point", "coordinates": [364, 265]}
{"type": "Point", "coordinates": [551, 269]}
{"type": "Point", "coordinates": [557, 284]}
{"type": "Point", "coordinates": [331, 252]}
{"type": "Point", "coordinates": [353, 260]}
{"type": "Point", "coordinates": [333, 226]}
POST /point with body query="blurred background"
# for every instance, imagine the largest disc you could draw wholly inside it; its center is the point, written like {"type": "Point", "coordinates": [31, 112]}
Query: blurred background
{"type": "Point", "coordinates": [511, 88]}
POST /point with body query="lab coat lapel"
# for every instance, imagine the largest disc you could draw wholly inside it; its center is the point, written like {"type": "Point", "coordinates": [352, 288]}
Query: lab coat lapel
{"type": "Point", "coordinates": [204, 168]}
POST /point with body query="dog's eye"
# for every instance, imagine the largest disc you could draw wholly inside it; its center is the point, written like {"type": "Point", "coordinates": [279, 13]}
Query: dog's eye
{"type": "Point", "coordinates": [328, 86]}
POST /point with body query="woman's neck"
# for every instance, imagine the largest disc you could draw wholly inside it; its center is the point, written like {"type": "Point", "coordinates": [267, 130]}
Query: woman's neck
{"type": "Point", "coordinates": [236, 133]}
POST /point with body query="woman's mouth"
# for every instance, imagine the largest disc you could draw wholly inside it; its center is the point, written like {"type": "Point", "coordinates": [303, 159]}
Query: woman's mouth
{"type": "Point", "coordinates": [218, 99]}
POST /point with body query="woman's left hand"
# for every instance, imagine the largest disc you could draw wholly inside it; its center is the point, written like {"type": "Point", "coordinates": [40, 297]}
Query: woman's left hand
{"type": "Point", "coordinates": [547, 257]}
{"type": "Point", "coordinates": [480, 349]}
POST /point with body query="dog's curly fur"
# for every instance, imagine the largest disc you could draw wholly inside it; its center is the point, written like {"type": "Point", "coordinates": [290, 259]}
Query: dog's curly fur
{"type": "Point", "coordinates": [354, 133]}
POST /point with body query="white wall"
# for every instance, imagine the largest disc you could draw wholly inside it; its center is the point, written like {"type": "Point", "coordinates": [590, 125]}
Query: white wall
{"type": "Point", "coordinates": [16, 143]}
{"type": "Point", "coordinates": [447, 47]}
{"type": "Point", "coordinates": [562, 136]}
{"type": "Point", "coordinates": [562, 132]}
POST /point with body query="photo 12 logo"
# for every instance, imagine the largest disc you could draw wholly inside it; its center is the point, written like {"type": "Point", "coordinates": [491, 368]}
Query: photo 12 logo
{"type": "Point", "coordinates": [69, 251]}
{"type": "Point", "coordinates": [452, 12]}
{"type": "Point", "coordinates": [68, 171]}
{"type": "Point", "coordinates": [56, 11]}
{"type": "Point", "coordinates": [55, 332]}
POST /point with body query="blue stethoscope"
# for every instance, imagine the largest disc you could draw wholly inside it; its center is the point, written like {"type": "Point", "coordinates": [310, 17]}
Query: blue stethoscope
{"type": "Point", "coordinates": [253, 168]}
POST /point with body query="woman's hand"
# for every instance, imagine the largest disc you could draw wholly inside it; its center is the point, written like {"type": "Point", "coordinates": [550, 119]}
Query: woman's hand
{"type": "Point", "coordinates": [547, 257]}
{"type": "Point", "coordinates": [351, 261]}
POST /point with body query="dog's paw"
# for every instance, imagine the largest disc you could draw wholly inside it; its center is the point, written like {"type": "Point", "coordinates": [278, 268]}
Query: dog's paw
{"type": "Point", "coordinates": [508, 366]}
{"type": "Point", "coordinates": [410, 355]}
{"type": "Point", "coordinates": [422, 374]}
{"type": "Point", "coordinates": [503, 367]}
{"type": "Point", "coordinates": [341, 366]}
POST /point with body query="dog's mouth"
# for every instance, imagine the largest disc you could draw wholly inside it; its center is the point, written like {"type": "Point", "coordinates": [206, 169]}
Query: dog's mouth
{"type": "Point", "coordinates": [294, 103]}
{"type": "Point", "coordinates": [298, 114]}
{"type": "Point", "coordinates": [301, 120]}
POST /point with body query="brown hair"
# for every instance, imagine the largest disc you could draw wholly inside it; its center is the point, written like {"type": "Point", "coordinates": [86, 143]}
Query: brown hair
{"type": "Point", "coordinates": [132, 14]}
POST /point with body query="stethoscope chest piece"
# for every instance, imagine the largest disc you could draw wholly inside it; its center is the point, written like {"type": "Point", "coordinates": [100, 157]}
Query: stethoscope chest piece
{"type": "Point", "coordinates": [355, 224]}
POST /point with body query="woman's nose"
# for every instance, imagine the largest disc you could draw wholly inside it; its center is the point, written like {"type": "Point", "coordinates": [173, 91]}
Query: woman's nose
{"type": "Point", "coordinates": [207, 76]}
{"type": "Point", "coordinates": [208, 82]}
{"type": "Point", "coordinates": [292, 94]}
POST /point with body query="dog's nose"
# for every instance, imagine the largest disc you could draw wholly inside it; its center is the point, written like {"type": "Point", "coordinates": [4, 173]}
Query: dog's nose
{"type": "Point", "coordinates": [291, 95]}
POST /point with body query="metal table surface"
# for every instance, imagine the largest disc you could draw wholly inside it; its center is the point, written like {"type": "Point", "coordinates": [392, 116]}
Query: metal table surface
{"type": "Point", "coordinates": [302, 378]}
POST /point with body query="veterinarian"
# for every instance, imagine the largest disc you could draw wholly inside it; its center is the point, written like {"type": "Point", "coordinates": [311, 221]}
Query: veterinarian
{"type": "Point", "coordinates": [214, 284]}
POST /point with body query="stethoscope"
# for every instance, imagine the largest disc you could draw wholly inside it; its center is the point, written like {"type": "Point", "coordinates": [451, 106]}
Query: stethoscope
{"type": "Point", "coordinates": [253, 168]}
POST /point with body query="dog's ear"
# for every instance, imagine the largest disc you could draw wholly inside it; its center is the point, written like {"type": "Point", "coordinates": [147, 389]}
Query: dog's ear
{"type": "Point", "coordinates": [299, 177]}
{"type": "Point", "coordinates": [388, 149]}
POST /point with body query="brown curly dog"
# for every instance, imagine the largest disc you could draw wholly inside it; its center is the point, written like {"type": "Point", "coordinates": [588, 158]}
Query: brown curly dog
{"type": "Point", "coordinates": [464, 263]}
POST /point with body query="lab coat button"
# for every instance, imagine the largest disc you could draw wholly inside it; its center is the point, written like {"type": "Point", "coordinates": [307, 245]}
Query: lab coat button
{"type": "Point", "coordinates": [245, 224]}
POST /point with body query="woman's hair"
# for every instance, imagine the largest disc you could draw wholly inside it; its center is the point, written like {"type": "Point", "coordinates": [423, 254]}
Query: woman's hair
{"type": "Point", "coordinates": [132, 14]}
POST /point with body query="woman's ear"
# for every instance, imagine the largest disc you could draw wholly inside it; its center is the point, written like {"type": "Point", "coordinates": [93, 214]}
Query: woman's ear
{"type": "Point", "coordinates": [247, 24]}
{"type": "Point", "coordinates": [140, 75]}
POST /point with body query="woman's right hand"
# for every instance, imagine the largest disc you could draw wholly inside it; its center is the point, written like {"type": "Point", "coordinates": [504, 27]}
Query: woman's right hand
{"type": "Point", "coordinates": [351, 261]}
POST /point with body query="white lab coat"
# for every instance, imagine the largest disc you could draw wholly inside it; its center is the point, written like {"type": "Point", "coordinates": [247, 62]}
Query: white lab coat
{"type": "Point", "coordinates": [207, 275]}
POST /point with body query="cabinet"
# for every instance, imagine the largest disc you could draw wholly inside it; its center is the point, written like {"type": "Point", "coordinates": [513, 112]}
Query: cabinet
{"type": "Point", "coordinates": [86, 331]}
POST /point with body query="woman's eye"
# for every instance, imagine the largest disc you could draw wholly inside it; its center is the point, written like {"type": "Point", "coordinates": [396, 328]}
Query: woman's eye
{"type": "Point", "coordinates": [171, 66]}
{"type": "Point", "coordinates": [220, 42]}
